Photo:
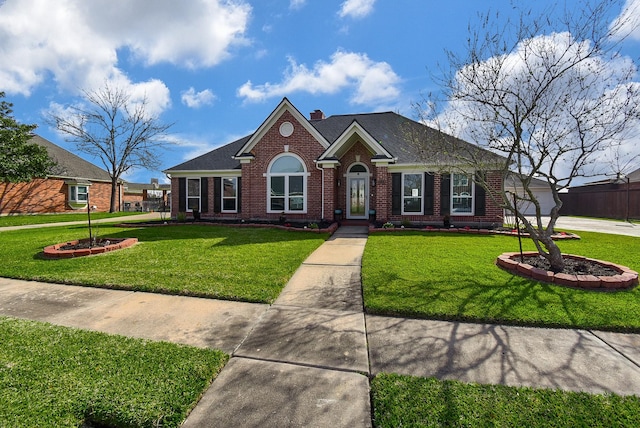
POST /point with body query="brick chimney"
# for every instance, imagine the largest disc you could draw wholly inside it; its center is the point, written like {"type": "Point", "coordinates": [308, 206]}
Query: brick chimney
{"type": "Point", "coordinates": [317, 115]}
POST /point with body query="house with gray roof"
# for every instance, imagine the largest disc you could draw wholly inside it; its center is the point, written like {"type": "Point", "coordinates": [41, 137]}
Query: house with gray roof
{"type": "Point", "coordinates": [356, 167]}
{"type": "Point", "coordinates": [72, 185]}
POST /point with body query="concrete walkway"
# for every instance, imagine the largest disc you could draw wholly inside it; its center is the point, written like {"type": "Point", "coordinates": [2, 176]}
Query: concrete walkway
{"type": "Point", "coordinates": [306, 360]}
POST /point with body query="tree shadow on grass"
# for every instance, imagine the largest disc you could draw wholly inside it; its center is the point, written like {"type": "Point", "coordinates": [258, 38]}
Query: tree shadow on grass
{"type": "Point", "coordinates": [511, 300]}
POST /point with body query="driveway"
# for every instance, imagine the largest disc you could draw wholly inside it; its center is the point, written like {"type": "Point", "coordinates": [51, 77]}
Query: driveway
{"type": "Point", "coordinates": [617, 227]}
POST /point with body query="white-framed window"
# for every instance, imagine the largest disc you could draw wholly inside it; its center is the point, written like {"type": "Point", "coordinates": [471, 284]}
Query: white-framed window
{"type": "Point", "coordinates": [412, 193]}
{"type": "Point", "coordinates": [229, 194]}
{"type": "Point", "coordinates": [462, 188]}
{"type": "Point", "coordinates": [78, 193]}
{"type": "Point", "coordinates": [193, 194]}
{"type": "Point", "coordinates": [287, 185]}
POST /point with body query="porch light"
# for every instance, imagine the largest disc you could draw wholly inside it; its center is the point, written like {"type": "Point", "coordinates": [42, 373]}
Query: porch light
{"type": "Point", "coordinates": [373, 182]}
{"type": "Point", "coordinates": [338, 182]}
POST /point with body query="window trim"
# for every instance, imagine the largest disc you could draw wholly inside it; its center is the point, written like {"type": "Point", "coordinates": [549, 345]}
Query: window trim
{"type": "Point", "coordinates": [187, 196]}
{"type": "Point", "coordinates": [404, 197]}
{"type": "Point", "coordinates": [73, 188]}
{"type": "Point", "coordinates": [472, 196]}
{"type": "Point", "coordinates": [234, 197]}
{"type": "Point", "coordinates": [287, 197]}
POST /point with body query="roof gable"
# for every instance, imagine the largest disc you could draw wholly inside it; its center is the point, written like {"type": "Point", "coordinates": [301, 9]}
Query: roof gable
{"type": "Point", "coordinates": [355, 132]}
{"type": "Point", "coordinates": [284, 106]}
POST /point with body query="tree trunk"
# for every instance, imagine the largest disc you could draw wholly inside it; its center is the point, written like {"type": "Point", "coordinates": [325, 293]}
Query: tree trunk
{"type": "Point", "coordinates": [114, 193]}
{"type": "Point", "coordinates": [554, 256]}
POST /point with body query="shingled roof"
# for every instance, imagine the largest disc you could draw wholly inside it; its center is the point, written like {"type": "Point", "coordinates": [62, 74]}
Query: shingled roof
{"type": "Point", "coordinates": [69, 165]}
{"type": "Point", "coordinates": [397, 134]}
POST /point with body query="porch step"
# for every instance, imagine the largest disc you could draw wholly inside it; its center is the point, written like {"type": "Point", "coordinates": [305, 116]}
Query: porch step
{"type": "Point", "coordinates": [354, 223]}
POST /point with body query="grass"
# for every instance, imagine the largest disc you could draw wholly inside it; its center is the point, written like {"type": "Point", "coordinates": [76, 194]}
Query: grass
{"type": "Point", "coordinates": [55, 376]}
{"type": "Point", "coordinates": [23, 220]}
{"type": "Point", "coordinates": [246, 264]}
{"type": "Point", "coordinates": [61, 377]}
{"type": "Point", "coordinates": [453, 277]}
{"type": "Point", "coordinates": [404, 401]}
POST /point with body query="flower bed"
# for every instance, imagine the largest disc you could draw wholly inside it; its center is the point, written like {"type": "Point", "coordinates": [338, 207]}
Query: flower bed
{"type": "Point", "coordinates": [622, 278]}
{"type": "Point", "coordinates": [330, 228]}
{"type": "Point", "coordinates": [82, 248]}
{"type": "Point", "coordinates": [467, 229]}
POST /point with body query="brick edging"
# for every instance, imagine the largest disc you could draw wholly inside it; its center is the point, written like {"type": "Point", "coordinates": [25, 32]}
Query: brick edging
{"type": "Point", "coordinates": [625, 279]}
{"type": "Point", "coordinates": [54, 251]}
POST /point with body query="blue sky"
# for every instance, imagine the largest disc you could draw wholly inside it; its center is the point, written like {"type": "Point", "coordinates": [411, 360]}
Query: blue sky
{"type": "Point", "coordinates": [218, 68]}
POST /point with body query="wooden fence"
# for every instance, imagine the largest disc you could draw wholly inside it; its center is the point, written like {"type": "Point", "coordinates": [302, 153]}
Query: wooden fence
{"type": "Point", "coordinates": [610, 200]}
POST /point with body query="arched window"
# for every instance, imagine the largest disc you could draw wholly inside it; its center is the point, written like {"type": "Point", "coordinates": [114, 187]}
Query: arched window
{"type": "Point", "coordinates": [287, 184]}
{"type": "Point", "coordinates": [358, 168]}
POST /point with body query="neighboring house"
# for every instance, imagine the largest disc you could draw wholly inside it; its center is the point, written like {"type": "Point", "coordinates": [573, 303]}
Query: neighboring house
{"type": "Point", "coordinates": [541, 190]}
{"type": "Point", "coordinates": [614, 198]}
{"type": "Point", "coordinates": [353, 167]}
{"type": "Point", "coordinates": [72, 182]}
{"type": "Point", "coordinates": [146, 197]}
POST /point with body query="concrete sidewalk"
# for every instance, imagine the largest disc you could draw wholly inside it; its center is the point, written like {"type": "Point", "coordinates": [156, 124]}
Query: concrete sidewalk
{"type": "Point", "coordinates": [306, 360]}
{"type": "Point", "coordinates": [137, 217]}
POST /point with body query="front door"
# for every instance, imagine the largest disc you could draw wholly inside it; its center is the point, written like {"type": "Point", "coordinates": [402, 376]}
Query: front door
{"type": "Point", "coordinates": [357, 198]}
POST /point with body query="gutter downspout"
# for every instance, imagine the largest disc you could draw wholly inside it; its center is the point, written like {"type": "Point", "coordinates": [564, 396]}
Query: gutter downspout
{"type": "Point", "coordinates": [321, 190]}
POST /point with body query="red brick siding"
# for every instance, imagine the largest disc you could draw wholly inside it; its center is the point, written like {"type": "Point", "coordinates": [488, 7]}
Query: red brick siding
{"type": "Point", "coordinates": [254, 182]}
{"type": "Point", "coordinates": [383, 193]}
{"type": "Point", "coordinates": [48, 196]}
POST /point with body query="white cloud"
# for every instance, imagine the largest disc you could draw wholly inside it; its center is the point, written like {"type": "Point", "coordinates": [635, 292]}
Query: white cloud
{"type": "Point", "coordinates": [628, 22]}
{"type": "Point", "coordinates": [194, 99]}
{"type": "Point", "coordinates": [154, 92]}
{"type": "Point", "coordinates": [372, 82]}
{"type": "Point", "coordinates": [296, 4]}
{"type": "Point", "coordinates": [356, 8]}
{"type": "Point", "coordinates": [77, 42]}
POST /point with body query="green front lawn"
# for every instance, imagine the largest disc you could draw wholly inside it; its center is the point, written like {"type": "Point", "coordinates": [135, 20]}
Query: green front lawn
{"type": "Point", "coordinates": [61, 377]}
{"type": "Point", "coordinates": [247, 264]}
{"type": "Point", "coordinates": [404, 401]}
{"type": "Point", "coordinates": [22, 220]}
{"type": "Point", "coordinates": [452, 276]}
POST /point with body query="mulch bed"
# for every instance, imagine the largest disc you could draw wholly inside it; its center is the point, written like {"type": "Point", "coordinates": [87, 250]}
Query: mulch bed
{"type": "Point", "coordinates": [572, 266]}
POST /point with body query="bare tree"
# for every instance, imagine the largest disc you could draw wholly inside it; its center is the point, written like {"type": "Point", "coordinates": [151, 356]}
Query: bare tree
{"type": "Point", "coordinates": [110, 126]}
{"type": "Point", "coordinates": [550, 96]}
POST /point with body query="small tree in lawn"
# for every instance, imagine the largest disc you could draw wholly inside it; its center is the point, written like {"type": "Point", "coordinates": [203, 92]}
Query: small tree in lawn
{"type": "Point", "coordinates": [20, 161]}
{"type": "Point", "coordinates": [551, 97]}
{"type": "Point", "coordinates": [121, 133]}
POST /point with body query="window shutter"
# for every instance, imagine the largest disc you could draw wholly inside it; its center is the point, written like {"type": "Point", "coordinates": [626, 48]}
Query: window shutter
{"type": "Point", "coordinates": [239, 194]}
{"type": "Point", "coordinates": [445, 194]}
{"type": "Point", "coordinates": [428, 194]}
{"type": "Point", "coordinates": [396, 193]}
{"type": "Point", "coordinates": [182, 194]}
{"type": "Point", "coordinates": [217, 196]}
{"type": "Point", "coordinates": [204, 195]}
{"type": "Point", "coordinates": [480, 198]}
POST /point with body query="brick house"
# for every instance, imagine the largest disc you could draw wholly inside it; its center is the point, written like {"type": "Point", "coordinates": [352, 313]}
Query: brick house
{"type": "Point", "coordinates": [71, 183]}
{"type": "Point", "coordinates": [145, 197]}
{"type": "Point", "coordinates": [351, 167]}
